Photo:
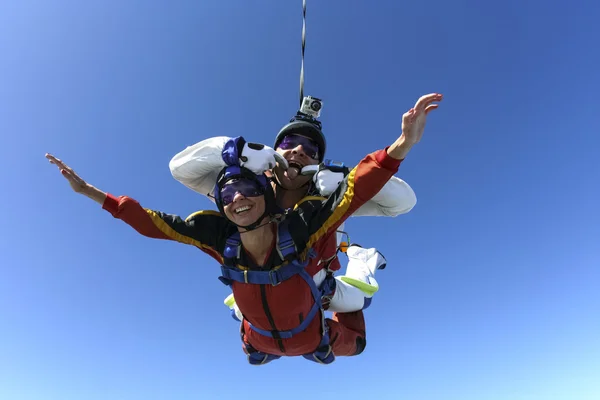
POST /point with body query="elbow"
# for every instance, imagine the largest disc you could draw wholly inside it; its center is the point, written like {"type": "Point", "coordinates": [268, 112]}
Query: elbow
{"type": "Point", "coordinates": [407, 202]}
{"type": "Point", "coordinates": [180, 170]}
{"type": "Point", "coordinates": [411, 200]}
{"type": "Point", "coordinates": [173, 167]}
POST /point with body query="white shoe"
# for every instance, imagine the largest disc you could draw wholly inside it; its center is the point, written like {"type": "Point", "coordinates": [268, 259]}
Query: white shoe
{"type": "Point", "coordinates": [361, 268]}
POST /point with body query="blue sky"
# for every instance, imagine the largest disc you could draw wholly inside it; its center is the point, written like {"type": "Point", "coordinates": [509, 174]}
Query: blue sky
{"type": "Point", "coordinates": [491, 290]}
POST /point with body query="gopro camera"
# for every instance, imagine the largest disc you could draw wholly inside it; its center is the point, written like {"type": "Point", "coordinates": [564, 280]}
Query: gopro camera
{"type": "Point", "coordinates": [311, 106]}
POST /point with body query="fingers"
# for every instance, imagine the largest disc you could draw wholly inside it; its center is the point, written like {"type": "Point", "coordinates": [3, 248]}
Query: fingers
{"type": "Point", "coordinates": [69, 175]}
{"type": "Point", "coordinates": [426, 100]}
{"type": "Point", "coordinates": [409, 116]}
{"type": "Point", "coordinates": [430, 107]}
{"type": "Point", "coordinates": [57, 162]}
{"type": "Point", "coordinates": [52, 159]}
{"type": "Point", "coordinates": [61, 165]}
{"type": "Point", "coordinates": [281, 160]}
{"type": "Point", "coordinates": [74, 180]}
{"type": "Point", "coordinates": [65, 170]}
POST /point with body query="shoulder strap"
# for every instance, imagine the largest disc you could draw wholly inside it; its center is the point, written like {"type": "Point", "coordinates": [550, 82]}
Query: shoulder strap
{"type": "Point", "coordinates": [286, 248]}
{"type": "Point", "coordinates": [233, 249]}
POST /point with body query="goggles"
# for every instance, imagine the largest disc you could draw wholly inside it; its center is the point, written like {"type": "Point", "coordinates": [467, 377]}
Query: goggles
{"type": "Point", "coordinates": [244, 187]}
{"type": "Point", "coordinates": [292, 141]}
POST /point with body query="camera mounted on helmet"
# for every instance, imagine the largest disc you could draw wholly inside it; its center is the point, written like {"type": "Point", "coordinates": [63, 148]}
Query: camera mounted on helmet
{"type": "Point", "coordinates": [311, 106]}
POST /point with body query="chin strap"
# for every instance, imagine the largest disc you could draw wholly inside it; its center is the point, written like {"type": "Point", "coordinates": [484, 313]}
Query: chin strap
{"type": "Point", "coordinates": [256, 225]}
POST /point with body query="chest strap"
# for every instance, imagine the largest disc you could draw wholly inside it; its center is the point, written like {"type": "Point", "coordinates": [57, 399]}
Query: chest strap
{"type": "Point", "coordinates": [287, 251]}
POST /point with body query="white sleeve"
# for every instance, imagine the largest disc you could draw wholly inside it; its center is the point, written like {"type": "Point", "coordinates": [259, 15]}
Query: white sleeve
{"type": "Point", "coordinates": [198, 166]}
{"type": "Point", "coordinates": [395, 198]}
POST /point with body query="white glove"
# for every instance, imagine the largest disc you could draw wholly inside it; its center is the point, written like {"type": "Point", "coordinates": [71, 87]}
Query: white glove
{"type": "Point", "coordinates": [259, 158]}
{"type": "Point", "coordinates": [327, 181]}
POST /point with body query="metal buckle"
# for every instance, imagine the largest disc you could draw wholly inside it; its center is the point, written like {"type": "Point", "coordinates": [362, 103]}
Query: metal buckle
{"type": "Point", "coordinates": [271, 274]}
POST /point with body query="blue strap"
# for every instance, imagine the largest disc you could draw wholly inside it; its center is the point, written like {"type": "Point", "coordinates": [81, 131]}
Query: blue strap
{"type": "Point", "coordinates": [285, 244]}
{"type": "Point", "coordinates": [286, 248]}
{"type": "Point", "coordinates": [233, 248]}
{"type": "Point", "coordinates": [324, 353]}
{"type": "Point", "coordinates": [271, 277]}
{"type": "Point", "coordinates": [259, 358]}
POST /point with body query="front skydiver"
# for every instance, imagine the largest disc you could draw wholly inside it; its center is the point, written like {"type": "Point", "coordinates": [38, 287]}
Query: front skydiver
{"type": "Point", "coordinates": [300, 147]}
{"type": "Point", "coordinates": [267, 260]}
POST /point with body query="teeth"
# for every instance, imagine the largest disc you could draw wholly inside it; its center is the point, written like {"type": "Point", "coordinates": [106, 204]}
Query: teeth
{"type": "Point", "coordinates": [242, 209]}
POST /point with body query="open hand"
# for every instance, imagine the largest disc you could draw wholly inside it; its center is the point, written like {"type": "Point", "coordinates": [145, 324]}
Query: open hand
{"type": "Point", "coordinates": [413, 121]}
{"type": "Point", "coordinates": [77, 184]}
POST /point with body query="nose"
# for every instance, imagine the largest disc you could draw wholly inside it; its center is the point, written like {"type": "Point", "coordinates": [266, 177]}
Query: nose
{"type": "Point", "coordinates": [238, 196]}
{"type": "Point", "coordinates": [299, 150]}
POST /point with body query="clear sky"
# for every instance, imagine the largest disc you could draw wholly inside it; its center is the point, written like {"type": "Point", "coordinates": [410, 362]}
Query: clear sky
{"type": "Point", "coordinates": [492, 285]}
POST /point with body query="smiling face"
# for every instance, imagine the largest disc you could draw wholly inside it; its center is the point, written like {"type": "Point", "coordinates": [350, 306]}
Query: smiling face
{"type": "Point", "coordinates": [299, 151]}
{"type": "Point", "coordinates": [243, 201]}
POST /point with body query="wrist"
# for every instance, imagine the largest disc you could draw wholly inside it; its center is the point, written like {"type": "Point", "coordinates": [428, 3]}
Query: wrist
{"type": "Point", "coordinates": [400, 148]}
{"type": "Point", "coordinates": [94, 193]}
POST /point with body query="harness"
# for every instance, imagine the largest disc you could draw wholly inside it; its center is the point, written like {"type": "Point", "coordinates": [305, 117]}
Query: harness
{"type": "Point", "coordinates": [292, 266]}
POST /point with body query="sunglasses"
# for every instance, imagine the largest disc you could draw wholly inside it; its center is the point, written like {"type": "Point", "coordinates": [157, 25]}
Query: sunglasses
{"type": "Point", "coordinates": [244, 187]}
{"type": "Point", "coordinates": [292, 141]}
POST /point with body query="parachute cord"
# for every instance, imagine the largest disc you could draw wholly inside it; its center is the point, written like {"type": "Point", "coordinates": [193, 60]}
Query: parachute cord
{"type": "Point", "coordinates": [303, 46]}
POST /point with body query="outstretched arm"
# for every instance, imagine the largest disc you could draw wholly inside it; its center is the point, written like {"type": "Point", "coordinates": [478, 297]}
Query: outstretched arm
{"type": "Point", "coordinates": [77, 184]}
{"type": "Point", "coordinates": [365, 180]}
{"type": "Point", "coordinates": [206, 230]}
{"type": "Point", "coordinates": [396, 196]}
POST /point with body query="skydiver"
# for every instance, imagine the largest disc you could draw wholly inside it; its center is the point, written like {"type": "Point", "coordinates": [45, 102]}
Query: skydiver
{"type": "Point", "coordinates": [266, 256]}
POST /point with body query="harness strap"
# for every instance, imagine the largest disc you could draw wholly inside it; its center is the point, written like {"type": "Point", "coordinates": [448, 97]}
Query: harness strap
{"type": "Point", "coordinates": [324, 353]}
{"type": "Point", "coordinates": [286, 248]}
{"type": "Point", "coordinates": [272, 277]}
{"type": "Point", "coordinates": [233, 248]}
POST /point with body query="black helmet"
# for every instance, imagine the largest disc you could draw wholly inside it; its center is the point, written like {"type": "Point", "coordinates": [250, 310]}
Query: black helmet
{"type": "Point", "coordinates": [305, 125]}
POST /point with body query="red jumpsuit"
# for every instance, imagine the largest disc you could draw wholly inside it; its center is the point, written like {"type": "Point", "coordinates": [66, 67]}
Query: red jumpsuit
{"type": "Point", "coordinates": [282, 307]}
